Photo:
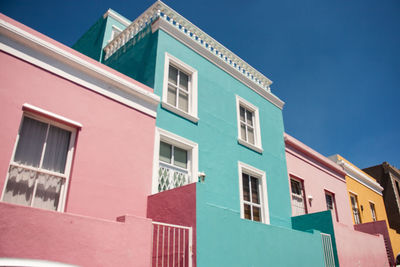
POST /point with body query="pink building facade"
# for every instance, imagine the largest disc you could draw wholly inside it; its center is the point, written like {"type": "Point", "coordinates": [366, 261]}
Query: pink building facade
{"type": "Point", "coordinates": [77, 144]}
{"type": "Point", "coordinates": [317, 184]}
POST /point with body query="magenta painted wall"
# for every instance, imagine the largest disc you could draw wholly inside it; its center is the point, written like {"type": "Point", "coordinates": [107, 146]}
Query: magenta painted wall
{"type": "Point", "coordinates": [111, 172]}
{"type": "Point", "coordinates": [359, 249]}
{"type": "Point", "coordinates": [317, 177]}
{"type": "Point", "coordinates": [40, 234]}
{"type": "Point", "coordinates": [176, 206]}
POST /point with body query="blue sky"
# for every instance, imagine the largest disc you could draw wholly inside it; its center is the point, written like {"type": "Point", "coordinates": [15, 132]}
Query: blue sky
{"type": "Point", "coordinates": [336, 64]}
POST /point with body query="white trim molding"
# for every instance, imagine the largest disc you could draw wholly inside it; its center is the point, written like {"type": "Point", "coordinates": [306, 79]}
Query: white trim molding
{"type": "Point", "coordinates": [161, 16]}
{"type": "Point", "coordinates": [357, 174]}
{"type": "Point", "coordinates": [55, 59]}
{"type": "Point", "coordinates": [257, 146]}
{"type": "Point", "coordinates": [259, 174]}
{"type": "Point", "coordinates": [117, 17]}
{"type": "Point", "coordinates": [178, 141]}
{"type": "Point", "coordinates": [192, 90]}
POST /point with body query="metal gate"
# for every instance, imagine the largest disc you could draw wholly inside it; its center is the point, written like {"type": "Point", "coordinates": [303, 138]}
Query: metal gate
{"type": "Point", "coordinates": [172, 245]}
{"type": "Point", "coordinates": [328, 250]}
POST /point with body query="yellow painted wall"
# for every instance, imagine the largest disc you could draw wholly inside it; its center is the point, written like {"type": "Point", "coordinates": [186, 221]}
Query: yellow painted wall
{"type": "Point", "coordinates": [366, 195]}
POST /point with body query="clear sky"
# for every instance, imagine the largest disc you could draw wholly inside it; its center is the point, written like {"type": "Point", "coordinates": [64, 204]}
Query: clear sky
{"type": "Point", "coordinates": [336, 64]}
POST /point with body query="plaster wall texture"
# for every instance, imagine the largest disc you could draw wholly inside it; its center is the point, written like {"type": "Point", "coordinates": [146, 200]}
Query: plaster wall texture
{"type": "Point", "coordinates": [112, 164]}
{"type": "Point", "coordinates": [317, 178]}
{"type": "Point", "coordinates": [176, 206]}
{"type": "Point", "coordinates": [32, 233]}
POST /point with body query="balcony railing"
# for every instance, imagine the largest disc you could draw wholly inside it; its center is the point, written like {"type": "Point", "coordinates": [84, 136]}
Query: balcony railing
{"type": "Point", "coordinates": [170, 177]}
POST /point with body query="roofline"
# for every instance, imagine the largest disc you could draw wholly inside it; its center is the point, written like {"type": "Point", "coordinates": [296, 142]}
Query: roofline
{"type": "Point", "coordinates": [357, 174]}
{"type": "Point", "coordinates": [139, 98]}
{"type": "Point", "coordinates": [121, 19]}
{"type": "Point", "coordinates": [184, 29]}
{"type": "Point", "coordinates": [289, 140]}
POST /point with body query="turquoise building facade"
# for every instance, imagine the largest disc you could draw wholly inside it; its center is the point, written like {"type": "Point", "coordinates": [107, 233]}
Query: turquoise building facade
{"type": "Point", "coordinates": [220, 127]}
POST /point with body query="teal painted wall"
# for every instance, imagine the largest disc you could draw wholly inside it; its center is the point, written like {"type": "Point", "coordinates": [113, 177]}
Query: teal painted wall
{"type": "Point", "coordinates": [321, 221]}
{"type": "Point", "coordinates": [97, 37]}
{"type": "Point", "coordinates": [223, 238]}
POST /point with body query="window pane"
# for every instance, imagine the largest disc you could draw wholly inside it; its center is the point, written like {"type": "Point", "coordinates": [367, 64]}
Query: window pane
{"type": "Point", "coordinates": [171, 95]}
{"type": "Point", "coordinates": [242, 112]}
{"type": "Point", "coordinates": [173, 75]}
{"type": "Point", "coordinates": [183, 101]}
{"type": "Point", "coordinates": [250, 135]}
{"type": "Point", "coordinates": [295, 185]}
{"type": "Point", "coordinates": [246, 188]}
{"type": "Point", "coordinates": [165, 152]}
{"type": "Point", "coordinates": [183, 81]}
{"type": "Point", "coordinates": [180, 157]}
{"type": "Point", "coordinates": [247, 212]}
{"type": "Point", "coordinates": [254, 191]}
{"type": "Point", "coordinates": [20, 186]}
{"type": "Point", "coordinates": [30, 144]}
{"type": "Point", "coordinates": [256, 214]}
{"type": "Point", "coordinates": [329, 202]}
{"type": "Point", "coordinates": [243, 132]}
{"type": "Point", "coordinates": [48, 191]}
{"type": "Point", "coordinates": [56, 149]}
{"type": "Point", "coordinates": [249, 116]}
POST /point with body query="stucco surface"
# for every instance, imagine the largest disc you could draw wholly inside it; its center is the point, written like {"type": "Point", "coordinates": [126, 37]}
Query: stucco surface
{"type": "Point", "coordinates": [111, 170]}
{"type": "Point", "coordinates": [84, 241]}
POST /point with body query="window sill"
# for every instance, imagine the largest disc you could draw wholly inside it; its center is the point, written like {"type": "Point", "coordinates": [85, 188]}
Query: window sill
{"type": "Point", "coordinates": [179, 112]}
{"type": "Point", "coordinates": [251, 146]}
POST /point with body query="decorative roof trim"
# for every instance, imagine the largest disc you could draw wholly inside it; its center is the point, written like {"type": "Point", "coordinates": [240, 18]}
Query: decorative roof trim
{"type": "Point", "coordinates": [357, 174]}
{"type": "Point", "coordinates": [235, 64]}
{"type": "Point", "coordinates": [117, 17]}
{"type": "Point", "coordinates": [142, 100]}
{"type": "Point", "coordinates": [293, 142]}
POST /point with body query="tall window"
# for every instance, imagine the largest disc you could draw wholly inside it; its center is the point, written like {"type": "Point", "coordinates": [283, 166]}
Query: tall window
{"type": "Point", "coordinates": [248, 125]}
{"type": "Point", "coordinates": [253, 193]}
{"type": "Point", "coordinates": [373, 211]}
{"type": "Point", "coordinates": [355, 209]}
{"type": "Point", "coordinates": [331, 204]}
{"type": "Point", "coordinates": [175, 162]}
{"type": "Point", "coordinates": [180, 88]}
{"type": "Point", "coordinates": [37, 173]}
{"type": "Point", "coordinates": [298, 197]}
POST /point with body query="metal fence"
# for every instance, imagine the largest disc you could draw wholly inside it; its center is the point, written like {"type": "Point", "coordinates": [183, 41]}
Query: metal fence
{"type": "Point", "coordinates": [328, 250]}
{"type": "Point", "coordinates": [172, 245]}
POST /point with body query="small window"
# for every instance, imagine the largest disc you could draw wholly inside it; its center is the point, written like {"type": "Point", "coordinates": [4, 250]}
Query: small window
{"type": "Point", "coordinates": [373, 212]}
{"type": "Point", "coordinates": [397, 187]}
{"type": "Point", "coordinates": [176, 162]}
{"type": "Point", "coordinates": [253, 194]}
{"type": "Point", "coordinates": [355, 209]}
{"type": "Point", "coordinates": [248, 125]}
{"type": "Point", "coordinates": [38, 171]}
{"type": "Point", "coordinates": [298, 197]}
{"type": "Point", "coordinates": [331, 204]}
{"type": "Point", "coordinates": [180, 88]}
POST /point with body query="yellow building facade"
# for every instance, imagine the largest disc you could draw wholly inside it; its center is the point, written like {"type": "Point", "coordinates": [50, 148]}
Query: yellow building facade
{"type": "Point", "coordinates": [366, 201]}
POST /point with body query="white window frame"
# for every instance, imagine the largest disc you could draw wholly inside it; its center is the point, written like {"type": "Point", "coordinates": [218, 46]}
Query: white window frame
{"type": "Point", "coordinates": [373, 211]}
{"type": "Point", "coordinates": [58, 121]}
{"type": "Point", "coordinates": [259, 174]}
{"type": "Point", "coordinates": [178, 141]}
{"type": "Point", "coordinates": [257, 146]}
{"type": "Point", "coordinates": [334, 210]}
{"type": "Point", "coordinates": [191, 115]}
{"type": "Point", "coordinates": [351, 195]}
{"type": "Point", "coordinates": [113, 31]}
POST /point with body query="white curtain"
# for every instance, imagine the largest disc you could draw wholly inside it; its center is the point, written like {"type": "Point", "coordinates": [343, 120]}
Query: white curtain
{"type": "Point", "coordinates": [56, 149]}
{"type": "Point", "coordinates": [20, 186]}
{"type": "Point", "coordinates": [48, 191]}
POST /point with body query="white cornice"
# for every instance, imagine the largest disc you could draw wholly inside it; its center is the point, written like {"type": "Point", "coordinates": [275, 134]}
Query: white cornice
{"type": "Point", "coordinates": [170, 21]}
{"type": "Point", "coordinates": [359, 176]}
{"type": "Point", "coordinates": [39, 52]}
{"type": "Point", "coordinates": [117, 17]}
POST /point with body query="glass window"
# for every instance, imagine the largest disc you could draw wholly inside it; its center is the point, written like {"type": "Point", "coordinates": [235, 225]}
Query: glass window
{"type": "Point", "coordinates": [373, 212]}
{"type": "Point", "coordinates": [178, 88]}
{"type": "Point", "coordinates": [36, 175]}
{"type": "Point", "coordinates": [251, 198]}
{"type": "Point", "coordinates": [355, 209]}
{"type": "Point", "coordinates": [298, 199]}
{"type": "Point", "coordinates": [330, 203]}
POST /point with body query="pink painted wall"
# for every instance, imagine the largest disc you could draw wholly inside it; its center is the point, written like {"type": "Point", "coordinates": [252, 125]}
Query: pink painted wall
{"type": "Point", "coordinates": [359, 249]}
{"type": "Point", "coordinates": [314, 169]}
{"type": "Point", "coordinates": [40, 234]}
{"type": "Point", "coordinates": [112, 168]}
{"type": "Point", "coordinates": [176, 206]}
